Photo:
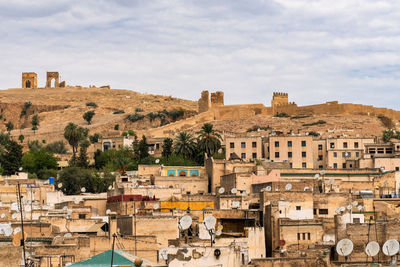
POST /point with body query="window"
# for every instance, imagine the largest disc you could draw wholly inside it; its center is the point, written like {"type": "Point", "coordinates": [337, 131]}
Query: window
{"type": "Point", "coordinates": [323, 211]}
{"type": "Point", "coordinates": [309, 236]}
{"type": "Point", "coordinates": [124, 179]}
{"type": "Point", "coordinates": [343, 154]}
{"type": "Point", "coordinates": [289, 154]}
{"type": "Point", "coordinates": [243, 144]}
{"type": "Point", "coordinates": [332, 145]}
{"type": "Point", "coordinates": [82, 216]}
{"type": "Point", "coordinates": [304, 236]}
{"type": "Point", "coordinates": [389, 150]}
{"type": "Point", "coordinates": [319, 147]}
{"type": "Point", "coordinates": [355, 144]}
{"type": "Point", "coordinates": [335, 165]}
{"type": "Point", "coordinates": [344, 144]}
{"type": "Point", "coordinates": [315, 211]}
{"type": "Point", "coordinates": [344, 165]}
{"type": "Point", "coordinates": [381, 150]}
{"type": "Point", "coordinates": [303, 143]}
{"type": "Point", "coordinates": [289, 143]}
{"type": "Point", "coordinates": [303, 154]}
{"type": "Point", "coordinates": [319, 157]}
{"type": "Point", "coordinates": [371, 150]}
{"type": "Point", "coordinates": [397, 169]}
{"type": "Point", "coordinates": [356, 220]}
{"type": "Point", "coordinates": [335, 154]}
{"type": "Point", "coordinates": [254, 155]}
{"type": "Point", "coordinates": [243, 156]}
{"type": "Point", "coordinates": [298, 236]}
{"type": "Point", "coordinates": [357, 154]}
{"type": "Point", "coordinates": [304, 165]}
{"type": "Point", "coordinates": [276, 154]}
{"type": "Point", "coordinates": [232, 145]}
{"type": "Point", "coordinates": [290, 165]}
{"type": "Point", "coordinates": [230, 155]}
{"type": "Point", "coordinates": [298, 207]}
{"type": "Point", "coordinates": [348, 154]}
{"type": "Point", "coordinates": [276, 143]}
{"type": "Point", "coordinates": [254, 144]}
{"type": "Point", "coordinates": [320, 167]}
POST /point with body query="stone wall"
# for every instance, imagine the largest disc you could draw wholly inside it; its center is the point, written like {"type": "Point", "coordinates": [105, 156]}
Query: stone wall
{"type": "Point", "coordinates": [217, 99]}
{"type": "Point", "coordinates": [204, 102]}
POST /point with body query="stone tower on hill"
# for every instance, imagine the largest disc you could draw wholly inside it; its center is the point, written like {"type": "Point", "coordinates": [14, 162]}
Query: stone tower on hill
{"type": "Point", "coordinates": [280, 103]}
{"type": "Point", "coordinates": [204, 103]}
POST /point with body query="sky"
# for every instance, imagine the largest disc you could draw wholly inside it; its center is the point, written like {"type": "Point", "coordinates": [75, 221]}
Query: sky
{"type": "Point", "coordinates": [315, 50]}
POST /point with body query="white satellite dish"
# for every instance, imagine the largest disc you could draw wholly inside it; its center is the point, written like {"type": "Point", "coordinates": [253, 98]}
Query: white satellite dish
{"type": "Point", "coordinates": [108, 211]}
{"type": "Point", "coordinates": [221, 190]}
{"type": "Point", "coordinates": [349, 207]}
{"type": "Point", "coordinates": [59, 185]}
{"type": "Point", "coordinates": [68, 235]}
{"type": "Point", "coordinates": [8, 230]}
{"type": "Point", "coordinates": [210, 222]}
{"type": "Point", "coordinates": [157, 161]}
{"type": "Point", "coordinates": [372, 248]}
{"type": "Point", "coordinates": [316, 176]}
{"type": "Point", "coordinates": [355, 203]}
{"type": "Point", "coordinates": [322, 172]}
{"type": "Point", "coordinates": [247, 191]}
{"type": "Point", "coordinates": [344, 247]}
{"type": "Point", "coordinates": [331, 181]}
{"type": "Point", "coordinates": [17, 230]}
{"type": "Point", "coordinates": [218, 232]}
{"type": "Point", "coordinates": [185, 222]}
{"type": "Point", "coordinates": [14, 206]}
{"type": "Point", "coordinates": [65, 208]}
{"type": "Point", "coordinates": [235, 204]}
{"type": "Point", "coordinates": [83, 190]}
{"type": "Point", "coordinates": [341, 209]}
{"type": "Point", "coordinates": [288, 187]}
{"type": "Point", "coordinates": [110, 187]}
{"type": "Point", "coordinates": [268, 188]}
{"type": "Point", "coordinates": [337, 210]}
{"type": "Point", "coordinates": [150, 194]}
{"type": "Point", "coordinates": [306, 188]}
{"type": "Point", "coordinates": [163, 254]}
{"type": "Point", "coordinates": [3, 215]}
{"type": "Point", "coordinates": [14, 216]}
{"type": "Point", "coordinates": [391, 247]}
{"type": "Point", "coordinates": [156, 206]}
{"type": "Point", "coordinates": [234, 190]}
{"type": "Point", "coordinates": [359, 207]}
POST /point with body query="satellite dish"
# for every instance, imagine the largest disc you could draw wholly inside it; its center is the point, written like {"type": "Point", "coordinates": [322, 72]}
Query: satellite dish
{"type": "Point", "coordinates": [59, 185]}
{"type": "Point", "coordinates": [337, 210]}
{"type": "Point", "coordinates": [221, 190]}
{"type": "Point", "coordinates": [235, 204]}
{"type": "Point", "coordinates": [349, 207]}
{"type": "Point", "coordinates": [65, 208]}
{"type": "Point", "coordinates": [163, 254]}
{"type": "Point", "coordinates": [68, 235]}
{"type": "Point", "coordinates": [391, 247]}
{"type": "Point", "coordinates": [247, 191]}
{"type": "Point", "coordinates": [150, 194]}
{"type": "Point", "coordinates": [185, 222]}
{"type": "Point", "coordinates": [17, 230]}
{"type": "Point", "coordinates": [234, 190]}
{"type": "Point", "coordinates": [355, 203]}
{"type": "Point", "coordinates": [108, 211]}
{"type": "Point", "coordinates": [14, 216]}
{"type": "Point", "coordinates": [268, 188]}
{"type": "Point", "coordinates": [8, 230]}
{"type": "Point", "coordinates": [210, 222]}
{"type": "Point", "coordinates": [83, 190]}
{"type": "Point", "coordinates": [322, 172]}
{"type": "Point", "coordinates": [372, 248]}
{"type": "Point", "coordinates": [110, 187]}
{"type": "Point", "coordinates": [359, 207]}
{"type": "Point", "coordinates": [3, 215]}
{"type": "Point", "coordinates": [331, 181]}
{"type": "Point", "coordinates": [316, 176]}
{"type": "Point", "coordinates": [156, 206]}
{"type": "Point", "coordinates": [288, 187]}
{"type": "Point", "coordinates": [344, 247]}
{"type": "Point", "coordinates": [218, 232]}
{"type": "Point", "coordinates": [306, 188]}
{"type": "Point", "coordinates": [341, 209]}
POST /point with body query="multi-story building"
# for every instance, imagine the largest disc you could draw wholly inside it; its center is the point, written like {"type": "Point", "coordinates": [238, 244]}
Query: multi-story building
{"type": "Point", "coordinates": [244, 147]}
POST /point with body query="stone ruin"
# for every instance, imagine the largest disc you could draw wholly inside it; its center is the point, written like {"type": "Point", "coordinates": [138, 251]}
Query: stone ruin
{"type": "Point", "coordinates": [204, 103]}
{"type": "Point", "coordinates": [29, 80]}
{"type": "Point", "coordinates": [280, 103]}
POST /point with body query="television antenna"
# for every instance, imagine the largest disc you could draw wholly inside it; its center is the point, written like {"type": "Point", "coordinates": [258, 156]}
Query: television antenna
{"type": "Point", "coordinates": [288, 187]}
{"type": "Point", "coordinates": [268, 188]}
{"type": "Point", "coordinates": [391, 247]}
{"type": "Point", "coordinates": [221, 190]}
{"type": "Point", "coordinates": [234, 190]}
{"type": "Point", "coordinates": [209, 223]}
{"type": "Point", "coordinates": [372, 248]}
{"type": "Point", "coordinates": [185, 222]}
{"type": "Point", "coordinates": [344, 247]}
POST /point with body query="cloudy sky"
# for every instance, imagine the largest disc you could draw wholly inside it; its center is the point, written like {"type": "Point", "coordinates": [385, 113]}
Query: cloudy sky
{"type": "Point", "coordinates": [316, 51]}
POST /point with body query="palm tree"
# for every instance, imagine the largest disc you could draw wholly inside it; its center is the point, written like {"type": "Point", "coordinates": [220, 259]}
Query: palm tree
{"type": "Point", "coordinates": [184, 145]}
{"type": "Point", "coordinates": [209, 139]}
{"type": "Point", "coordinates": [74, 134]}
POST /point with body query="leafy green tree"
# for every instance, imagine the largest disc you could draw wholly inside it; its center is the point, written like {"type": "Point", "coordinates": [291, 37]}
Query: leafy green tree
{"type": "Point", "coordinates": [131, 133]}
{"type": "Point", "coordinates": [21, 138]}
{"type": "Point", "coordinates": [177, 160]}
{"type": "Point", "coordinates": [74, 134]}
{"type": "Point", "coordinates": [38, 162]}
{"type": "Point", "coordinates": [184, 145]}
{"type": "Point", "coordinates": [167, 147]}
{"type": "Point", "coordinates": [88, 116]}
{"type": "Point", "coordinates": [35, 123]}
{"type": "Point", "coordinates": [95, 138]}
{"type": "Point", "coordinates": [209, 139]}
{"type": "Point", "coordinates": [11, 157]}
{"type": "Point", "coordinates": [116, 127]}
{"type": "Point", "coordinates": [57, 147]}
{"type": "Point", "coordinates": [9, 126]}
{"type": "Point", "coordinates": [34, 145]}
{"type": "Point", "coordinates": [83, 160]}
{"type": "Point", "coordinates": [143, 148]}
{"type": "Point", "coordinates": [124, 134]}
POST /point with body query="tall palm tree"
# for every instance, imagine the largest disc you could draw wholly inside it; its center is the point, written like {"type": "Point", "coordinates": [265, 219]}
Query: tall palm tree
{"type": "Point", "coordinates": [209, 139]}
{"type": "Point", "coordinates": [184, 145]}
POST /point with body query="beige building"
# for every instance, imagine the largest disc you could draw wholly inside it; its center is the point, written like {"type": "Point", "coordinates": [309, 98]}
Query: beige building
{"type": "Point", "coordinates": [244, 147]}
{"type": "Point", "coordinates": [297, 150]}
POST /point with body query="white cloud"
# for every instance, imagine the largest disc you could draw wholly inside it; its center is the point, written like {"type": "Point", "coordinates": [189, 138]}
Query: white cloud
{"type": "Point", "coordinates": [315, 50]}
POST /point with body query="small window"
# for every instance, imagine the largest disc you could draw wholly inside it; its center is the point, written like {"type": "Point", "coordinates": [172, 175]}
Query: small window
{"type": "Point", "coordinates": [276, 143]}
{"type": "Point", "coordinates": [357, 154]}
{"type": "Point", "coordinates": [290, 165]}
{"type": "Point", "coordinates": [289, 154]}
{"type": "Point", "coordinates": [304, 236]}
{"type": "Point", "coordinates": [303, 154]}
{"type": "Point", "coordinates": [319, 147]}
{"type": "Point", "coordinates": [254, 144]}
{"type": "Point", "coordinates": [298, 207]}
{"type": "Point", "coordinates": [356, 220]}
{"type": "Point", "coordinates": [332, 145]}
{"type": "Point", "coordinates": [323, 211]}
{"type": "Point", "coordinates": [335, 154]}
{"type": "Point", "coordinates": [243, 144]}
{"type": "Point", "coordinates": [232, 145]}
{"type": "Point", "coordinates": [303, 143]}
{"type": "Point", "coordinates": [397, 168]}
{"type": "Point", "coordinates": [335, 165]}
{"type": "Point", "coordinates": [371, 150]}
{"type": "Point", "coordinates": [355, 144]}
{"type": "Point", "coordinates": [304, 165]}
{"type": "Point", "coordinates": [309, 236]}
{"type": "Point", "coordinates": [276, 154]}
{"type": "Point", "coordinates": [315, 211]}
{"type": "Point", "coordinates": [254, 155]}
{"type": "Point", "coordinates": [344, 144]}
{"type": "Point", "coordinates": [82, 216]}
{"type": "Point", "coordinates": [289, 143]}
{"type": "Point", "coordinates": [243, 156]}
{"type": "Point", "coordinates": [343, 154]}
{"type": "Point", "coordinates": [298, 236]}
{"type": "Point", "coordinates": [125, 179]}
{"type": "Point", "coordinates": [319, 157]}
{"type": "Point", "coordinates": [320, 167]}
{"type": "Point", "coordinates": [344, 165]}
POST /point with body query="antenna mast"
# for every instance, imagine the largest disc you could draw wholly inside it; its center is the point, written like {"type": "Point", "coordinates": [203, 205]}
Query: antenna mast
{"type": "Point", "coordinates": [22, 223]}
